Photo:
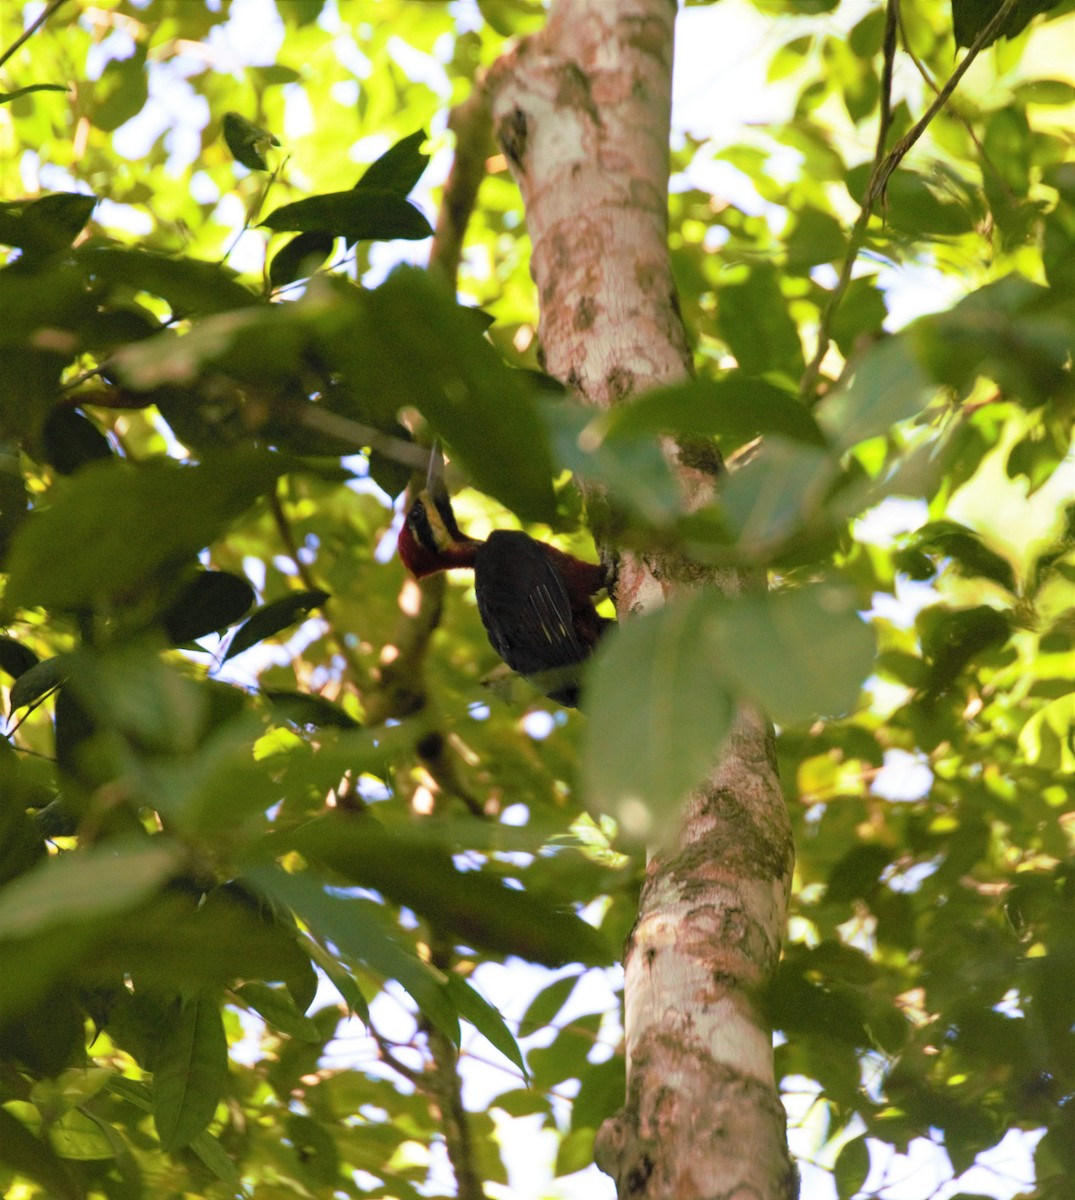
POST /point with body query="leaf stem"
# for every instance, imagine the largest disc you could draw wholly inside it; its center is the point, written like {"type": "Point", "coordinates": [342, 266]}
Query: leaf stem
{"type": "Point", "coordinates": [28, 33]}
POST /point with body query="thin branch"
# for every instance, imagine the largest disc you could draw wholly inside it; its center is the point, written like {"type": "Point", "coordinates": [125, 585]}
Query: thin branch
{"type": "Point", "coordinates": [956, 115]}
{"type": "Point", "coordinates": [899, 151]}
{"type": "Point", "coordinates": [445, 1088]}
{"type": "Point", "coordinates": [28, 33]}
{"type": "Point", "coordinates": [884, 165]}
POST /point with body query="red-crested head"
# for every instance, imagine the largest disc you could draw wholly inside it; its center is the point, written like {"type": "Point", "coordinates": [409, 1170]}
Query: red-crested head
{"type": "Point", "coordinates": [430, 539]}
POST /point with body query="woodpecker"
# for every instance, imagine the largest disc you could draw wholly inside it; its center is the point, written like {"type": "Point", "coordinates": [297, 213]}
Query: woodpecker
{"type": "Point", "coordinates": [535, 601]}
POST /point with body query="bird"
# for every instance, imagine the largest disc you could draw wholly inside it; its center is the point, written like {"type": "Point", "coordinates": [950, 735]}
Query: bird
{"type": "Point", "coordinates": [535, 601]}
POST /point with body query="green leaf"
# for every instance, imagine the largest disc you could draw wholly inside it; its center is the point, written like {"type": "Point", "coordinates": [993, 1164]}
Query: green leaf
{"type": "Point", "coordinates": [33, 682]}
{"type": "Point", "coordinates": [360, 215]}
{"type": "Point", "coordinates": [48, 224]}
{"type": "Point", "coordinates": [300, 257]}
{"type": "Point", "coordinates": [753, 319]}
{"type": "Point", "coordinates": [356, 928]}
{"type": "Point", "coordinates": [416, 346]}
{"type": "Point", "coordinates": [399, 168]}
{"type": "Point", "coordinates": [191, 1066]}
{"type": "Point", "coordinates": [130, 688]}
{"type": "Point", "coordinates": [485, 1019]}
{"type": "Point", "coordinates": [94, 882]}
{"type": "Point", "coordinates": [115, 525]}
{"type": "Point", "coordinates": [248, 141]}
{"type": "Point", "coordinates": [800, 654]}
{"type": "Point", "coordinates": [30, 1156]}
{"type": "Point", "coordinates": [630, 467]}
{"type": "Point", "coordinates": [1048, 738]}
{"type": "Point", "coordinates": [657, 716]}
{"type": "Point", "coordinates": [546, 1004]}
{"type": "Point", "coordinates": [278, 1009]}
{"type": "Point", "coordinates": [883, 386]}
{"type": "Point", "coordinates": [215, 1157]}
{"type": "Point", "coordinates": [736, 408]}
{"type": "Point", "coordinates": [817, 237]}
{"type": "Point", "coordinates": [273, 617]}
{"type": "Point", "coordinates": [122, 90]}
{"type": "Point", "coordinates": [781, 490]}
{"type": "Point", "coordinates": [15, 658]}
{"type": "Point", "coordinates": [210, 602]}
{"type": "Point", "coordinates": [189, 285]}
{"type": "Point", "coordinates": [474, 906]}
{"type": "Point", "coordinates": [304, 709]}
{"type": "Point", "coordinates": [852, 1167]}
{"type": "Point", "coordinates": [602, 1087]}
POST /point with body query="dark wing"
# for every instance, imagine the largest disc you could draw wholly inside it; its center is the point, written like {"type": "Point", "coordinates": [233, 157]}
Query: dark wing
{"type": "Point", "coordinates": [524, 604]}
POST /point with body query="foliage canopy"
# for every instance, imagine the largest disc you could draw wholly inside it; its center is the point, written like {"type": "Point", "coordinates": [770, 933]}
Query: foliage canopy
{"type": "Point", "coordinates": [200, 438]}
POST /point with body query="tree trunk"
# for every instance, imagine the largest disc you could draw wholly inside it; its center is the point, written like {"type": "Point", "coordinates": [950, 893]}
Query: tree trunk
{"type": "Point", "coordinates": [582, 112]}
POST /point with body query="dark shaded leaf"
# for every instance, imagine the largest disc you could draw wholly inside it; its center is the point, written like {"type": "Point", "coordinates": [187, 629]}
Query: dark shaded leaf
{"type": "Point", "coordinates": [357, 216]}
{"type": "Point", "coordinates": [71, 441]}
{"type": "Point", "coordinates": [192, 1063]}
{"type": "Point", "coordinates": [474, 907]}
{"type": "Point", "coordinates": [210, 602]}
{"type": "Point", "coordinates": [356, 928]}
{"type": "Point", "coordinates": [115, 525]}
{"type": "Point", "coordinates": [398, 169]}
{"type": "Point", "coordinates": [300, 257]}
{"type": "Point", "coordinates": [45, 225]}
{"type": "Point", "coordinates": [189, 285]}
{"type": "Point", "coordinates": [546, 1004]}
{"type": "Point", "coordinates": [37, 679]}
{"type": "Point", "coordinates": [852, 1167]}
{"type": "Point", "coordinates": [313, 711]}
{"type": "Point", "coordinates": [248, 141]}
{"type": "Point", "coordinates": [30, 1156]}
{"type": "Point", "coordinates": [418, 347]}
{"type": "Point", "coordinates": [273, 617]}
{"type": "Point", "coordinates": [278, 1008]}
{"type": "Point", "coordinates": [754, 320]}
{"type": "Point", "coordinates": [970, 17]}
{"type": "Point", "coordinates": [15, 658]}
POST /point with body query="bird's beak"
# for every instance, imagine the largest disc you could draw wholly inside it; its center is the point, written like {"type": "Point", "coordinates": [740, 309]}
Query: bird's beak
{"type": "Point", "coordinates": [435, 484]}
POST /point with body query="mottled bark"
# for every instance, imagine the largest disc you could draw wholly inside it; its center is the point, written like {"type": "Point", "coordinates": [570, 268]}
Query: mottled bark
{"type": "Point", "coordinates": [582, 113]}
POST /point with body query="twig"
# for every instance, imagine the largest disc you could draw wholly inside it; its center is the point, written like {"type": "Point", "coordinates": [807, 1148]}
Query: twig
{"type": "Point", "coordinates": [884, 165]}
{"type": "Point", "coordinates": [923, 70]}
{"type": "Point", "coordinates": [28, 33]}
{"type": "Point", "coordinates": [446, 1090]}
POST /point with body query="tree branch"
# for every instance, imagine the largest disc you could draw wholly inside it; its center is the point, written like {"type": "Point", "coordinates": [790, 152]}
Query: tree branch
{"type": "Point", "coordinates": [473, 129]}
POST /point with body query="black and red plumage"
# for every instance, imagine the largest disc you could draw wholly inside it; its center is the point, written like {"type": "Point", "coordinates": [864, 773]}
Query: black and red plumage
{"type": "Point", "coordinates": [535, 601]}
